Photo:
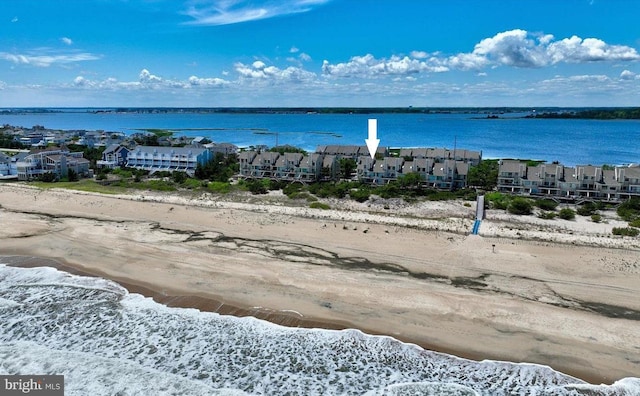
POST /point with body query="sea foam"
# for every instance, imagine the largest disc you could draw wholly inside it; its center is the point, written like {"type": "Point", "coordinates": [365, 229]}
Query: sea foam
{"type": "Point", "coordinates": [105, 340]}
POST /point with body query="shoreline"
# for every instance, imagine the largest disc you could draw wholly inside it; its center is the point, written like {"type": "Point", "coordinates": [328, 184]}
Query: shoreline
{"type": "Point", "coordinates": [418, 279]}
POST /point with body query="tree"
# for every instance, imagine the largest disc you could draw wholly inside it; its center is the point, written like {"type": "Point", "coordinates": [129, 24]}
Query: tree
{"type": "Point", "coordinates": [72, 175]}
{"type": "Point", "coordinates": [410, 180]}
{"type": "Point", "coordinates": [347, 167]}
{"type": "Point", "coordinates": [484, 175]}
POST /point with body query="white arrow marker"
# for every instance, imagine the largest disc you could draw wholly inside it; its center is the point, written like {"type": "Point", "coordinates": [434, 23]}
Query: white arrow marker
{"type": "Point", "coordinates": [373, 141]}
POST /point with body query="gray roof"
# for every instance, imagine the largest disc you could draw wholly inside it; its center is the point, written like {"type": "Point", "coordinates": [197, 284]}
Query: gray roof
{"type": "Point", "coordinates": [170, 150]}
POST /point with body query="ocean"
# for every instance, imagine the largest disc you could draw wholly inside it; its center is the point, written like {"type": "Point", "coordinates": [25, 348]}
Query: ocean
{"type": "Point", "coordinates": [572, 142]}
{"type": "Point", "coordinates": [107, 341]}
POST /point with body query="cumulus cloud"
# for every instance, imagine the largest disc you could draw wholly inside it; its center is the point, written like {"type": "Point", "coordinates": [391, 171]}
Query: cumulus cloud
{"type": "Point", "coordinates": [294, 50]}
{"type": "Point", "coordinates": [368, 66]}
{"type": "Point", "coordinates": [146, 77]}
{"type": "Point", "coordinates": [628, 75]}
{"type": "Point", "coordinates": [226, 12]}
{"type": "Point", "coordinates": [206, 82]}
{"type": "Point", "coordinates": [46, 60]}
{"type": "Point", "coordinates": [148, 80]}
{"type": "Point", "coordinates": [519, 48]}
{"type": "Point", "coordinates": [66, 40]}
{"type": "Point", "coordinates": [304, 57]}
{"type": "Point", "coordinates": [259, 71]}
{"type": "Point", "coordinates": [419, 54]}
{"type": "Point", "coordinates": [14, 19]}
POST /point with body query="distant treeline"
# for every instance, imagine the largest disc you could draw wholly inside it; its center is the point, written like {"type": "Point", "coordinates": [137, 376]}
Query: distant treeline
{"type": "Point", "coordinates": [321, 110]}
{"type": "Point", "coordinates": [593, 114]}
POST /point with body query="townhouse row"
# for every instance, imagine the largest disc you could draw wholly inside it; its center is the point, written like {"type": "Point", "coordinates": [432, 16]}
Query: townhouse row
{"type": "Point", "coordinates": [439, 168]}
{"type": "Point", "coordinates": [556, 180]}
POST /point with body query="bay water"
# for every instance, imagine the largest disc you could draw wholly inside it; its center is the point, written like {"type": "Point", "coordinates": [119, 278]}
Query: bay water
{"type": "Point", "coordinates": [569, 141]}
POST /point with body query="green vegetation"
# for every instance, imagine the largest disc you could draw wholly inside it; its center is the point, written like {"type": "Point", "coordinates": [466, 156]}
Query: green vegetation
{"type": "Point", "coordinates": [319, 205]}
{"type": "Point", "coordinates": [287, 149]}
{"type": "Point", "coordinates": [626, 231]}
{"type": "Point", "coordinates": [630, 210]}
{"type": "Point", "coordinates": [589, 208]}
{"type": "Point", "coordinates": [596, 218]}
{"type": "Point", "coordinates": [361, 194]}
{"type": "Point", "coordinates": [484, 176]}
{"type": "Point", "coordinates": [567, 214]}
{"type": "Point", "coordinates": [219, 187]}
{"type": "Point", "coordinates": [520, 206]}
{"type": "Point", "coordinates": [497, 200]}
{"type": "Point", "coordinates": [347, 168]}
{"type": "Point", "coordinates": [594, 114]}
{"type": "Point", "coordinates": [635, 223]}
{"type": "Point", "coordinates": [7, 141]}
{"type": "Point", "coordinates": [546, 204]}
{"type": "Point", "coordinates": [221, 168]}
{"type": "Point", "coordinates": [547, 215]}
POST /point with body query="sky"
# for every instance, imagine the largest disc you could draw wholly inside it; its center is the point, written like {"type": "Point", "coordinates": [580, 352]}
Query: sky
{"type": "Point", "coordinates": [315, 53]}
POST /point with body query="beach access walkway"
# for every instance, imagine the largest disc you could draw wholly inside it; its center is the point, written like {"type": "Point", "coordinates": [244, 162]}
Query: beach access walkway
{"type": "Point", "coordinates": [479, 214]}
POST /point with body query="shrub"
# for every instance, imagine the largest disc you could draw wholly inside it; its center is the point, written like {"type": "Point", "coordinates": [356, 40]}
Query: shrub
{"type": "Point", "coordinates": [191, 184]}
{"type": "Point", "coordinates": [547, 215]}
{"type": "Point", "coordinates": [520, 206]}
{"type": "Point", "coordinates": [158, 185]}
{"type": "Point", "coordinates": [360, 195]}
{"type": "Point", "coordinates": [497, 200]}
{"type": "Point", "coordinates": [219, 187]}
{"type": "Point", "coordinates": [567, 214]}
{"type": "Point", "coordinates": [546, 204]}
{"type": "Point", "coordinates": [596, 218]}
{"type": "Point", "coordinates": [635, 223]}
{"type": "Point", "coordinates": [179, 177]}
{"type": "Point", "coordinates": [625, 231]}
{"type": "Point", "coordinates": [587, 209]}
{"type": "Point", "coordinates": [256, 186]}
{"type": "Point", "coordinates": [291, 190]}
{"type": "Point", "coordinates": [630, 210]}
{"type": "Point", "coordinates": [319, 205]}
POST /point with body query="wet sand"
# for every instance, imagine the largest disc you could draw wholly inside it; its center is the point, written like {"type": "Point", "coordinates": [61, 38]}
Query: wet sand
{"type": "Point", "coordinates": [571, 307]}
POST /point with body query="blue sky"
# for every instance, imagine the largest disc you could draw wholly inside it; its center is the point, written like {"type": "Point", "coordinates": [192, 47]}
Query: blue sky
{"type": "Point", "coordinates": [217, 53]}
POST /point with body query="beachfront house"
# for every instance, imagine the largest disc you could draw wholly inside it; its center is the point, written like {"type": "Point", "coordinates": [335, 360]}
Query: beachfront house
{"type": "Point", "coordinates": [153, 159]}
{"type": "Point", "coordinates": [55, 161]}
{"type": "Point", "coordinates": [113, 156]}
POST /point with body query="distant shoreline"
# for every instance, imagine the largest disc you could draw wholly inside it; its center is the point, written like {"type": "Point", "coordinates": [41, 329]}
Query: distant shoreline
{"type": "Point", "coordinates": [537, 112]}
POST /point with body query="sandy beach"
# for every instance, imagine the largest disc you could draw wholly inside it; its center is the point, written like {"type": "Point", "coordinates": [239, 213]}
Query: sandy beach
{"type": "Point", "coordinates": [553, 292]}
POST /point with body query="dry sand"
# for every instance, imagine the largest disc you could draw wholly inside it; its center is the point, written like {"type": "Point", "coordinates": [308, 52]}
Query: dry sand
{"type": "Point", "coordinates": [410, 271]}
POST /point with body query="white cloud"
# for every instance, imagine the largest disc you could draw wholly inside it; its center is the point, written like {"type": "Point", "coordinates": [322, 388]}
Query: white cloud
{"type": "Point", "coordinates": [628, 75]}
{"type": "Point", "coordinates": [148, 80]}
{"type": "Point", "coordinates": [368, 66]}
{"type": "Point", "coordinates": [293, 50]}
{"type": "Point", "coordinates": [146, 77]}
{"type": "Point", "coordinates": [519, 48]}
{"type": "Point", "coordinates": [226, 12]}
{"type": "Point", "coordinates": [206, 82]}
{"type": "Point", "coordinates": [46, 60]}
{"type": "Point", "coordinates": [66, 40]}
{"type": "Point", "coordinates": [419, 54]}
{"type": "Point", "coordinates": [304, 57]}
{"type": "Point", "coordinates": [14, 19]}
{"type": "Point", "coordinates": [260, 71]}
